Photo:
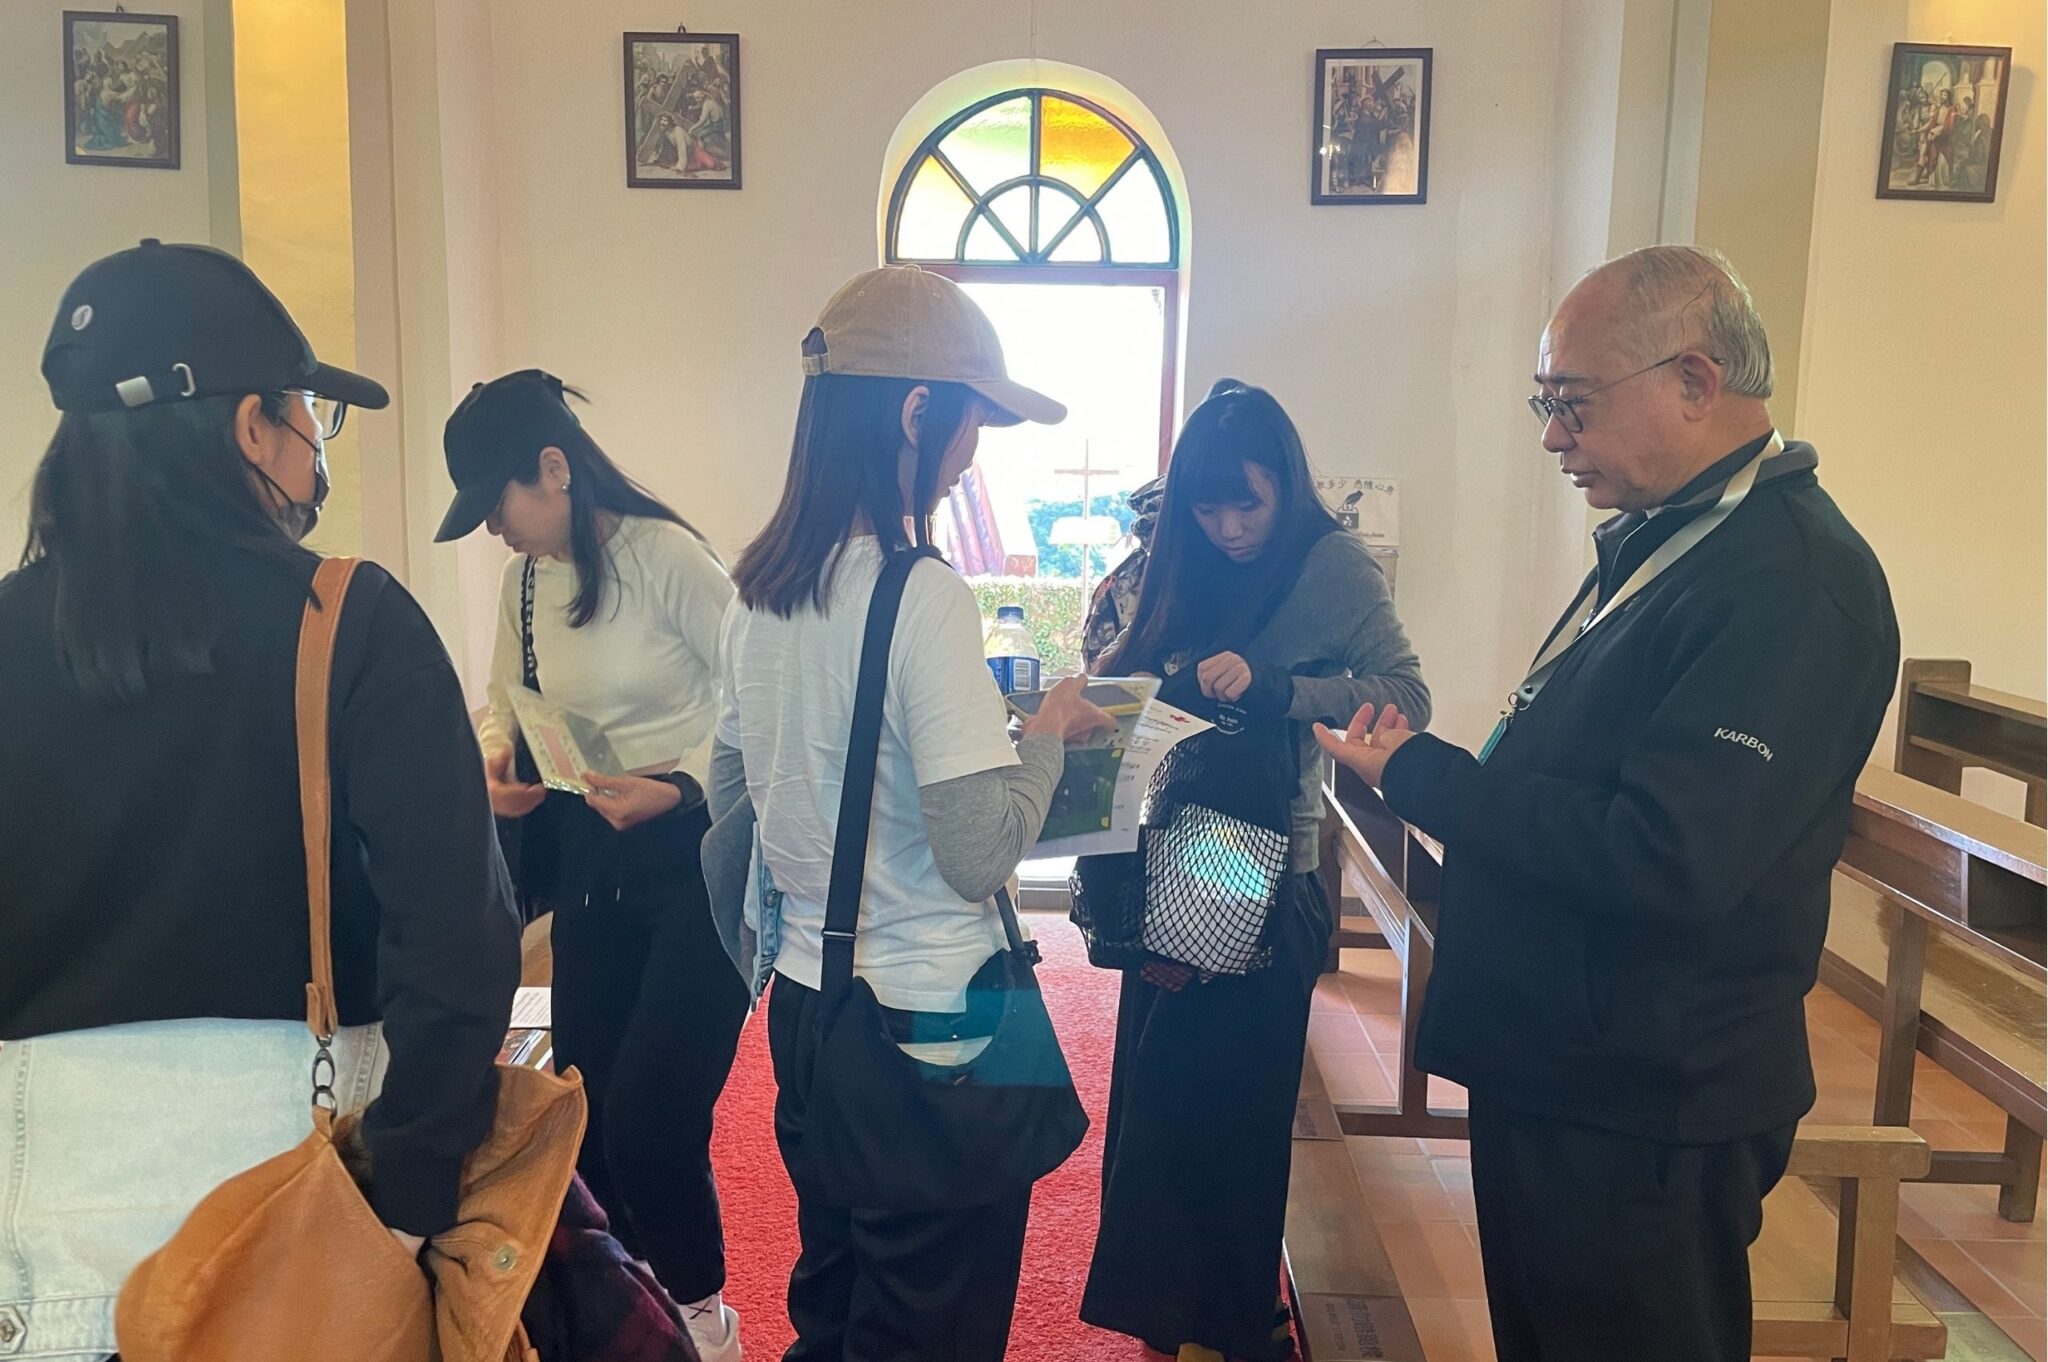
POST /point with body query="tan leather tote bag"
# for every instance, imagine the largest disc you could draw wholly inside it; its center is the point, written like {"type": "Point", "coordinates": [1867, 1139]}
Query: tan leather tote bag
{"type": "Point", "coordinates": [287, 1260]}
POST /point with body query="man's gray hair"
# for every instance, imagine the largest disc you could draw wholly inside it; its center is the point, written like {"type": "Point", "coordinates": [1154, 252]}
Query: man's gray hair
{"type": "Point", "coordinates": [1683, 297]}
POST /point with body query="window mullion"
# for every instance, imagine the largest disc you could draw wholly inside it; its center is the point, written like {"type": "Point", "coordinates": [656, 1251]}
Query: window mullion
{"type": "Point", "coordinates": [946, 164]}
{"type": "Point", "coordinates": [1037, 160]}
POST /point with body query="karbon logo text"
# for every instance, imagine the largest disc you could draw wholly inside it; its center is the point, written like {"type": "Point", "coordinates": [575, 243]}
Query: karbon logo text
{"type": "Point", "coordinates": [1744, 740]}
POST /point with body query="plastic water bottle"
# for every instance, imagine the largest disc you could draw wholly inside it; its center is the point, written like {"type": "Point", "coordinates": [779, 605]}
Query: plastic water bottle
{"type": "Point", "coordinates": [1011, 654]}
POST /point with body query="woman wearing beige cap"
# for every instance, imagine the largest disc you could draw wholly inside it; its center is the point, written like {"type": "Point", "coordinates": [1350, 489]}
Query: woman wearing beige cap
{"type": "Point", "coordinates": [910, 1248]}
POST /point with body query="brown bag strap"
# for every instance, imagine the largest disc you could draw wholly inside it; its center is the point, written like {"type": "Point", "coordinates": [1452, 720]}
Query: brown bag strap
{"type": "Point", "coordinates": [317, 632]}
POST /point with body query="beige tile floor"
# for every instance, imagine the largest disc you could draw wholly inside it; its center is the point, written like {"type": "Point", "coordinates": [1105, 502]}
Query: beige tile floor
{"type": "Point", "coordinates": [1421, 1190]}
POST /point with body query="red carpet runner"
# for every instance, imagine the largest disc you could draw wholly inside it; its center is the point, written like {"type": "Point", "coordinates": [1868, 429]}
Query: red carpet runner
{"type": "Point", "coordinates": [760, 1208]}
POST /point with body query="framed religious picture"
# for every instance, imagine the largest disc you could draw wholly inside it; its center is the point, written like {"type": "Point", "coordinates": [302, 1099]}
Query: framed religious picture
{"type": "Point", "coordinates": [682, 110]}
{"type": "Point", "coordinates": [121, 89]}
{"type": "Point", "coordinates": [1944, 118]}
{"type": "Point", "coordinates": [1370, 143]}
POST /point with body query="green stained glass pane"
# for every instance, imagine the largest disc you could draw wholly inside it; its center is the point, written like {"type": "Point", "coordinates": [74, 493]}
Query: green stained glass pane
{"type": "Point", "coordinates": [1079, 146]}
{"type": "Point", "coordinates": [1082, 246]}
{"type": "Point", "coordinates": [1135, 214]}
{"type": "Point", "coordinates": [986, 243]}
{"type": "Point", "coordinates": [928, 228]}
{"type": "Point", "coordinates": [994, 146]}
{"type": "Point", "coordinates": [1013, 206]}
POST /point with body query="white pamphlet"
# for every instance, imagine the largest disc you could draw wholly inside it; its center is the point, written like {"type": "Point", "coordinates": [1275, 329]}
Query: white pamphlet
{"type": "Point", "coordinates": [1100, 800]}
{"type": "Point", "coordinates": [533, 1007]}
{"type": "Point", "coordinates": [564, 743]}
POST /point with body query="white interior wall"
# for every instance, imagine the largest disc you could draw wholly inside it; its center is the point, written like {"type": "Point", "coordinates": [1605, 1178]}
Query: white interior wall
{"type": "Point", "coordinates": [1400, 337]}
{"type": "Point", "coordinates": [1925, 351]}
{"type": "Point", "coordinates": [56, 218]}
{"type": "Point", "coordinates": [493, 230]}
{"type": "Point", "coordinates": [1761, 144]}
{"type": "Point", "coordinates": [428, 287]}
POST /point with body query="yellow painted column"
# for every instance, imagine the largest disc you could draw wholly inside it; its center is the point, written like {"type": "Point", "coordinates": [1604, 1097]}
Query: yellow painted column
{"type": "Point", "coordinates": [291, 111]}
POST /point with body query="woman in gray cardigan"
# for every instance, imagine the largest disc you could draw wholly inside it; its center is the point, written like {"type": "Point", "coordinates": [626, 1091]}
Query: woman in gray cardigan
{"type": "Point", "coordinates": [1256, 602]}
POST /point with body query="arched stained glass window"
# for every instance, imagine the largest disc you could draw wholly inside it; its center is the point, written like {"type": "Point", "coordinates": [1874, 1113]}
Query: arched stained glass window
{"type": "Point", "coordinates": [1034, 178]}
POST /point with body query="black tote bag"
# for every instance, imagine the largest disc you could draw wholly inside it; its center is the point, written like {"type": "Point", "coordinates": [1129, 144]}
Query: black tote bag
{"type": "Point", "coordinates": [885, 1131]}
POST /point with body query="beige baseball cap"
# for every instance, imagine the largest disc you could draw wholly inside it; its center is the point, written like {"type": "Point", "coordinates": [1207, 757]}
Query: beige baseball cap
{"type": "Point", "coordinates": [903, 322]}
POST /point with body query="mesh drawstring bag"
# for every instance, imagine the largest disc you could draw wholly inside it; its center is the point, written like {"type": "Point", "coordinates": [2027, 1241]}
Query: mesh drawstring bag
{"type": "Point", "coordinates": [1212, 854]}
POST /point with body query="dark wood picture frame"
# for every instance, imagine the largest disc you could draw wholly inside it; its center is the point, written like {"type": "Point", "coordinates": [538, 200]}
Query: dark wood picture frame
{"type": "Point", "coordinates": [167, 149]}
{"type": "Point", "coordinates": [1323, 140]}
{"type": "Point", "coordinates": [638, 136]}
{"type": "Point", "coordinates": [1977, 144]}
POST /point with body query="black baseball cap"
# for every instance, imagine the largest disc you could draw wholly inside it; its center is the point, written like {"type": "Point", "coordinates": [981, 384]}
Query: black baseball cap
{"type": "Point", "coordinates": [162, 323]}
{"type": "Point", "coordinates": [494, 436]}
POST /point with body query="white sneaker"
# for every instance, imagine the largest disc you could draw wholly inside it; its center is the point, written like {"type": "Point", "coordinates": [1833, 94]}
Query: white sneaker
{"type": "Point", "coordinates": [715, 1328]}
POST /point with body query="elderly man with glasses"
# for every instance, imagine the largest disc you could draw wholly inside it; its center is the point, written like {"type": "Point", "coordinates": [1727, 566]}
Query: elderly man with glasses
{"type": "Point", "coordinates": [1637, 862]}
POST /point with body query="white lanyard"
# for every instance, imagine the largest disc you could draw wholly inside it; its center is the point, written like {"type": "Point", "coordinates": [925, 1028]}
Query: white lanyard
{"type": "Point", "coordinates": [1583, 621]}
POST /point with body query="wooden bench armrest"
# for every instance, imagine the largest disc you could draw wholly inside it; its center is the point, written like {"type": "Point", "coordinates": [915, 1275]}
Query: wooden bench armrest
{"type": "Point", "coordinates": [1869, 1161]}
{"type": "Point", "coordinates": [1892, 1152]}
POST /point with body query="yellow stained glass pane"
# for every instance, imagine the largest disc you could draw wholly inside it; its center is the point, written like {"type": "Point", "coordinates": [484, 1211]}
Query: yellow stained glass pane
{"type": "Point", "coordinates": [1082, 246]}
{"type": "Point", "coordinates": [986, 243]}
{"type": "Point", "coordinates": [1013, 206]}
{"type": "Point", "coordinates": [1078, 145]}
{"type": "Point", "coordinates": [1135, 214]}
{"type": "Point", "coordinates": [994, 146]}
{"type": "Point", "coordinates": [928, 228]}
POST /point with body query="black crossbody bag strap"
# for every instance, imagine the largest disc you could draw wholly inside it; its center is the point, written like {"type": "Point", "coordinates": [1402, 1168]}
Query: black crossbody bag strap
{"type": "Point", "coordinates": [880, 1128]}
{"type": "Point", "coordinates": [857, 790]}
{"type": "Point", "coordinates": [531, 674]}
{"type": "Point", "coordinates": [523, 764]}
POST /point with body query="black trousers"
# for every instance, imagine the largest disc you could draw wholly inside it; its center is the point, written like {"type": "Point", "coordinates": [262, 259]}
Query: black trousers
{"type": "Point", "coordinates": [1198, 1146]}
{"type": "Point", "coordinates": [648, 1006]}
{"type": "Point", "coordinates": [1601, 1247]}
{"type": "Point", "coordinates": [886, 1286]}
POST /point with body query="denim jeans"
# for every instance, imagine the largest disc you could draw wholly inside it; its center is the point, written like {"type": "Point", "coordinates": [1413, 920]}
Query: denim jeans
{"type": "Point", "coordinates": [109, 1138]}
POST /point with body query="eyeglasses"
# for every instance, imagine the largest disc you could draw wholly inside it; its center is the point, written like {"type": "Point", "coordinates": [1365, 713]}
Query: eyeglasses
{"type": "Point", "coordinates": [1565, 410]}
{"type": "Point", "coordinates": [328, 412]}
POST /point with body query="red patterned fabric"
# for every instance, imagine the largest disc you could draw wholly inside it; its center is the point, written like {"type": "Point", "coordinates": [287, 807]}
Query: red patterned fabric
{"type": "Point", "coordinates": [593, 1303]}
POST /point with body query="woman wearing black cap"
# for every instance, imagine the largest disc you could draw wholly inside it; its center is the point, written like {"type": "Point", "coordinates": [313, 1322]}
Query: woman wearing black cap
{"type": "Point", "coordinates": [611, 609]}
{"type": "Point", "coordinates": [153, 920]}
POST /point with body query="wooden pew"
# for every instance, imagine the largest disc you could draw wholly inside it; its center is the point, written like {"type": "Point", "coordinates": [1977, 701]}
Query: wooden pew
{"type": "Point", "coordinates": [1400, 913]}
{"type": "Point", "coordinates": [1825, 1283]}
{"type": "Point", "coordinates": [1347, 1304]}
{"type": "Point", "coordinates": [1937, 932]}
{"type": "Point", "coordinates": [1984, 871]}
{"type": "Point", "coordinates": [1946, 724]}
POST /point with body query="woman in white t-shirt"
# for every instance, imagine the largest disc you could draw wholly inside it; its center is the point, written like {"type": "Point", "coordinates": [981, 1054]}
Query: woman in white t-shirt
{"type": "Point", "coordinates": [611, 610]}
{"type": "Point", "coordinates": [903, 370]}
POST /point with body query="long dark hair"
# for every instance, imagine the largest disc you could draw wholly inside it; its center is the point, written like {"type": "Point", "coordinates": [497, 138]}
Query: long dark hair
{"type": "Point", "coordinates": [1193, 597]}
{"type": "Point", "coordinates": [596, 486]}
{"type": "Point", "coordinates": [127, 509]}
{"type": "Point", "coordinates": [843, 464]}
